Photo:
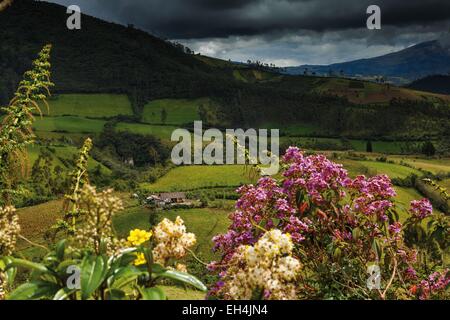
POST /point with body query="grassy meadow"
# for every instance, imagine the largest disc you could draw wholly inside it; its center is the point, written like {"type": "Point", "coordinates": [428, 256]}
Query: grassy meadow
{"type": "Point", "coordinates": [201, 177]}
{"type": "Point", "coordinates": [89, 105]}
{"type": "Point", "coordinates": [69, 124]}
{"type": "Point", "coordinates": [178, 111]}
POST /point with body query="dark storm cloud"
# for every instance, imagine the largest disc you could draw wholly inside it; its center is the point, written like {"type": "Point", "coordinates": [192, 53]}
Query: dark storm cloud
{"type": "Point", "coordinates": [284, 32]}
{"type": "Point", "coordinates": [185, 19]}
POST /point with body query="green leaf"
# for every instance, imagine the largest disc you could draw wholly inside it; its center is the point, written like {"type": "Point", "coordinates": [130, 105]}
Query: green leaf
{"type": "Point", "coordinates": [377, 248]}
{"type": "Point", "coordinates": [184, 278]}
{"type": "Point", "coordinates": [10, 272]}
{"type": "Point", "coordinates": [124, 276]}
{"type": "Point", "coordinates": [60, 249]}
{"type": "Point", "coordinates": [115, 294]}
{"type": "Point", "coordinates": [157, 268]}
{"type": "Point", "coordinates": [63, 294]}
{"type": "Point", "coordinates": [28, 265]}
{"type": "Point", "coordinates": [64, 265]}
{"type": "Point", "coordinates": [93, 273]}
{"type": "Point", "coordinates": [356, 233]}
{"type": "Point", "coordinates": [34, 290]}
{"type": "Point", "coordinates": [154, 293]}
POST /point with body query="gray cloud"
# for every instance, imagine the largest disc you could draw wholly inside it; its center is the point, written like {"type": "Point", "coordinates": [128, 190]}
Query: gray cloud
{"type": "Point", "coordinates": [284, 31]}
{"type": "Point", "coordinates": [185, 19]}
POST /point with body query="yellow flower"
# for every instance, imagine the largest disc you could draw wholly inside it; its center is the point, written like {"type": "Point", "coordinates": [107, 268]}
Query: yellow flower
{"type": "Point", "coordinates": [138, 237]}
{"type": "Point", "coordinates": [140, 259]}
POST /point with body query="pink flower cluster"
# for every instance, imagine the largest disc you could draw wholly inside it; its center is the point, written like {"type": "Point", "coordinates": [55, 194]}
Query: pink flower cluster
{"type": "Point", "coordinates": [436, 282]}
{"type": "Point", "coordinates": [316, 199]}
{"type": "Point", "coordinates": [421, 208]}
{"type": "Point", "coordinates": [315, 174]}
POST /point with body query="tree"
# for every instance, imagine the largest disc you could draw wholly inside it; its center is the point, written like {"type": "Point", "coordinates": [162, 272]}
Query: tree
{"type": "Point", "coordinates": [428, 149]}
{"type": "Point", "coordinates": [369, 147]}
{"type": "Point", "coordinates": [163, 115]}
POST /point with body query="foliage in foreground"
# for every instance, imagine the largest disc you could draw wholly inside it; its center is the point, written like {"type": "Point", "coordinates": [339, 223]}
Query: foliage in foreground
{"type": "Point", "coordinates": [91, 263]}
{"type": "Point", "coordinates": [318, 234]}
{"type": "Point", "coordinates": [15, 130]}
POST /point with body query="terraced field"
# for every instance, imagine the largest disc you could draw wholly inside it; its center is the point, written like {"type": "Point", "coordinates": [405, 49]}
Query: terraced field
{"type": "Point", "coordinates": [201, 177]}
{"type": "Point", "coordinates": [392, 170]}
{"type": "Point", "coordinates": [69, 124]}
{"type": "Point", "coordinates": [431, 165]}
{"type": "Point", "coordinates": [365, 167]}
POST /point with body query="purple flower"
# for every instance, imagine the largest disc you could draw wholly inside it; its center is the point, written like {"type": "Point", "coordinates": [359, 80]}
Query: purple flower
{"type": "Point", "coordinates": [395, 227]}
{"type": "Point", "coordinates": [421, 208]}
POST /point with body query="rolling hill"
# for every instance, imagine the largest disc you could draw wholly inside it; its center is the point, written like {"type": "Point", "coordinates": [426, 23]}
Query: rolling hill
{"type": "Point", "coordinates": [436, 83]}
{"type": "Point", "coordinates": [104, 63]}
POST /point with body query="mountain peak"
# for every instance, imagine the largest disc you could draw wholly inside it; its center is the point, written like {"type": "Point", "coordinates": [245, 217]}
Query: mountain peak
{"type": "Point", "coordinates": [401, 67]}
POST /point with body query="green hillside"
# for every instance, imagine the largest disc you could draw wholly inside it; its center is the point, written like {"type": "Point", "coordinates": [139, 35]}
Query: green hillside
{"type": "Point", "coordinates": [70, 124]}
{"type": "Point", "coordinates": [155, 75]}
{"type": "Point", "coordinates": [89, 105]}
{"type": "Point", "coordinates": [178, 111]}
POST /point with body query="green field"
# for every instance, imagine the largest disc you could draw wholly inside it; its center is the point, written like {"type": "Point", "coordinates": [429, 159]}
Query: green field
{"type": "Point", "coordinates": [392, 170]}
{"type": "Point", "coordinates": [178, 111]}
{"type": "Point", "coordinates": [205, 223]}
{"type": "Point", "coordinates": [200, 177]}
{"type": "Point", "coordinates": [431, 165]}
{"type": "Point", "coordinates": [89, 105]}
{"type": "Point", "coordinates": [371, 168]}
{"type": "Point", "coordinates": [70, 124]}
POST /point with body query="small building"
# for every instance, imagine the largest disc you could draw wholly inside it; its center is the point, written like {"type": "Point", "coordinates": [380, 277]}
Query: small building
{"type": "Point", "coordinates": [172, 197]}
{"type": "Point", "coordinates": [166, 199]}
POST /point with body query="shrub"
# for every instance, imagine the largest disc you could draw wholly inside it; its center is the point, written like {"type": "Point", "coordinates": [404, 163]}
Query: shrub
{"type": "Point", "coordinates": [341, 229]}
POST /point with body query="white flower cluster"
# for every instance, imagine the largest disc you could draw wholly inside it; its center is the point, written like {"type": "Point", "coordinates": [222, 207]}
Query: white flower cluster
{"type": "Point", "coordinates": [9, 230]}
{"type": "Point", "coordinates": [267, 268]}
{"type": "Point", "coordinates": [172, 242]}
{"type": "Point", "coordinates": [2, 286]}
{"type": "Point", "coordinates": [98, 209]}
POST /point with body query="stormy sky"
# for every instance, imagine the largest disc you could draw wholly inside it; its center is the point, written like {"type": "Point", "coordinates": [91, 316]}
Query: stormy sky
{"type": "Point", "coordinates": [284, 32]}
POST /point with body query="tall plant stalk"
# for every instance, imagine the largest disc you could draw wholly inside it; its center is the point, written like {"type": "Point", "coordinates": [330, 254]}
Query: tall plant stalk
{"type": "Point", "coordinates": [16, 129]}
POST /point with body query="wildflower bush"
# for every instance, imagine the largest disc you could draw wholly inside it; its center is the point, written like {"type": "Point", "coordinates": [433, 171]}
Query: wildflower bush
{"type": "Point", "coordinates": [335, 230]}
